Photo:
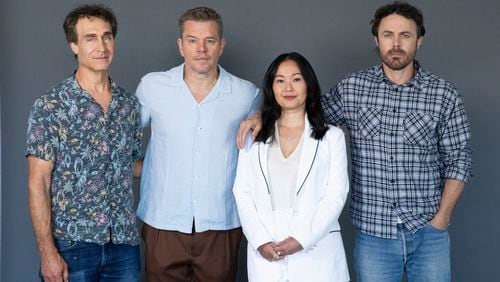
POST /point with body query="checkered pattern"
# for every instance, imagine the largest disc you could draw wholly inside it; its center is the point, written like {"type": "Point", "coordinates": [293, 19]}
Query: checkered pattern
{"type": "Point", "coordinates": [405, 141]}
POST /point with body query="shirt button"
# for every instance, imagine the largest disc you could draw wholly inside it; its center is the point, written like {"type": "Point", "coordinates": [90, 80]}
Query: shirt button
{"type": "Point", "coordinates": [395, 205]}
{"type": "Point", "coordinates": [295, 213]}
{"type": "Point", "coordinates": [200, 128]}
{"type": "Point", "coordinates": [394, 110]}
{"type": "Point", "coordinates": [196, 178]}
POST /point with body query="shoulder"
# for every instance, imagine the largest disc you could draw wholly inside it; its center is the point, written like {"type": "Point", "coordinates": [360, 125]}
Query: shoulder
{"type": "Point", "coordinates": [437, 86]}
{"type": "Point", "coordinates": [334, 133]}
{"type": "Point", "coordinates": [370, 74]}
{"type": "Point", "coordinates": [239, 85]}
{"type": "Point", "coordinates": [57, 95]}
{"type": "Point", "coordinates": [161, 76]}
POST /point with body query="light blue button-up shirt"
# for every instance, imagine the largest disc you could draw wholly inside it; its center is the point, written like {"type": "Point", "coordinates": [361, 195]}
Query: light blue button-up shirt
{"type": "Point", "coordinates": [191, 158]}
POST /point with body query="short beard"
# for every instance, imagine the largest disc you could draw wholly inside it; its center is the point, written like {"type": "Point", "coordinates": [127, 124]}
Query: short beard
{"type": "Point", "coordinates": [403, 62]}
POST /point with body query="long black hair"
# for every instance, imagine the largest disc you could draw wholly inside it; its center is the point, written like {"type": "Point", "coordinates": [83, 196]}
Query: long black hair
{"type": "Point", "coordinates": [271, 110]}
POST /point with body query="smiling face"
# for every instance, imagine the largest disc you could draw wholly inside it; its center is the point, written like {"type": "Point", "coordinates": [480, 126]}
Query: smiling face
{"type": "Point", "coordinates": [201, 46]}
{"type": "Point", "coordinates": [95, 45]}
{"type": "Point", "coordinates": [397, 42]}
{"type": "Point", "coordinates": [289, 87]}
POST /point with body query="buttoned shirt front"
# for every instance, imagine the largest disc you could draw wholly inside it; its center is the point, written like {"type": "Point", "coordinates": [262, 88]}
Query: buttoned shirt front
{"type": "Point", "coordinates": [191, 158]}
{"type": "Point", "coordinates": [406, 140]}
{"type": "Point", "coordinates": [92, 152]}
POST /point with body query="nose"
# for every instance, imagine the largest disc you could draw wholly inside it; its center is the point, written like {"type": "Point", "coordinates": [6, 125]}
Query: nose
{"type": "Point", "coordinates": [201, 47]}
{"type": "Point", "coordinates": [288, 86]}
{"type": "Point", "coordinates": [395, 42]}
{"type": "Point", "coordinates": [100, 44]}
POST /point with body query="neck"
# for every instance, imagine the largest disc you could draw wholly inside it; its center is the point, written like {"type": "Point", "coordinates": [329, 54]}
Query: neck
{"type": "Point", "coordinates": [201, 80]}
{"type": "Point", "coordinates": [94, 82]}
{"type": "Point", "coordinates": [292, 118]}
{"type": "Point", "coordinates": [399, 76]}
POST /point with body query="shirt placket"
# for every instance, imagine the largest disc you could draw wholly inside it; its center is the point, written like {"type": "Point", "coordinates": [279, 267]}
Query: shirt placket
{"type": "Point", "coordinates": [393, 123]}
{"type": "Point", "coordinates": [199, 135]}
{"type": "Point", "coordinates": [107, 132]}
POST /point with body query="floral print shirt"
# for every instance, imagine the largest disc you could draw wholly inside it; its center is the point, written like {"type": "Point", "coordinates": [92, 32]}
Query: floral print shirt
{"type": "Point", "coordinates": [92, 152]}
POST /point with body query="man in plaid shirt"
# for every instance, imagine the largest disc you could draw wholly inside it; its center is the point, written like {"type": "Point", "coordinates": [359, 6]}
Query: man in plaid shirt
{"type": "Point", "coordinates": [410, 154]}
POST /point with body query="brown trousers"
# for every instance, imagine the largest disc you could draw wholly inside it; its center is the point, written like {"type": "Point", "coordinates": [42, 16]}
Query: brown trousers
{"type": "Point", "coordinates": [205, 256]}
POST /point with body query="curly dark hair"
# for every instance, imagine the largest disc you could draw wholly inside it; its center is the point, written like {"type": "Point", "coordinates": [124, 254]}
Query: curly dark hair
{"type": "Point", "coordinates": [86, 11]}
{"type": "Point", "coordinates": [400, 8]}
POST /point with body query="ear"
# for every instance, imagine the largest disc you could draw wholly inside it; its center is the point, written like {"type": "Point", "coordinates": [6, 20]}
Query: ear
{"type": "Point", "coordinates": [222, 45]}
{"type": "Point", "coordinates": [74, 47]}
{"type": "Point", "coordinates": [419, 41]}
{"type": "Point", "coordinates": [179, 45]}
{"type": "Point", "coordinates": [376, 41]}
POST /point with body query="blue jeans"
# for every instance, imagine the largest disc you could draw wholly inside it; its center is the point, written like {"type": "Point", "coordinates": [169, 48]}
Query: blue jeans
{"type": "Point", "coordinates": [422, 256]}
{"type": "Point", "coordinates": [93, 262]}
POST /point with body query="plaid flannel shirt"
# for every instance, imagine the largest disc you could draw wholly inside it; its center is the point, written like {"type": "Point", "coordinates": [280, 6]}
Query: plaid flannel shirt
{"type": "Point", "coordinates": [406, 140]}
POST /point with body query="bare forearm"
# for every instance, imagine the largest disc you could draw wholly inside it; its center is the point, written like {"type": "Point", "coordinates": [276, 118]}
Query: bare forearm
{"type": "Point", "coordinates": [137, 168]}
{"type": "Point", "coordinates": [39, 181]}
{"type": "Point", "coordinates": [52, 265]}
{"type": "Point", "coordinates": [452, 191]}
{"type": "Point", "coordinates": [39, 206]}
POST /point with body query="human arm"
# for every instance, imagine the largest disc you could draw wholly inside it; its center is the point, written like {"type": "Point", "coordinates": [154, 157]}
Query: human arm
{"type": "Point", "coordinates": [254, 123]}
{"type": "Point", "coordinates": [137, 168]}
{"type": "Point", "coordinates": [454, 150]}
{"type": "Point", "coordinates": [255, 231]}
{"type": "Point", "coordinates": [333, 105]}
{"type": "Point", "coordinates": [52, 265]}
{"type": "Point", "coordinates": [451, 193]}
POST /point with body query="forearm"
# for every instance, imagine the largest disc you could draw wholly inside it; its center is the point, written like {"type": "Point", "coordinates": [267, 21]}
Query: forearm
{"type": "Point", "coordinates": [39, 181]}
{"type": "Point", "coordinates": [39, 206]}
{"type": "Point", "coordinates": [137, 168]}
{"type": "Point", "coordinates": [452, 191]}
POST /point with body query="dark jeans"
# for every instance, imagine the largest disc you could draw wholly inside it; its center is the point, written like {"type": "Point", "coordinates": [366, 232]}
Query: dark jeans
{"type": "Point", "coordinates": [93, 262]}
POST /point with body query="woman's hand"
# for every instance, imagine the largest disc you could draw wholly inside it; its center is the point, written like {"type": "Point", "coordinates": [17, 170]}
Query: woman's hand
{"type": "Point", "coordinates": [287, 247]}
{"type": "Point", "coordinates": [267, 251]}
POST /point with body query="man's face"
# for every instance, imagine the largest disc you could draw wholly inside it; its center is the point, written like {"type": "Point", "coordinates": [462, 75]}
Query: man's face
{"type": "Point", "coordinates": [397, 42]}
{"type": "Point", "coordinates": [201, 46]}
{"type": "Point", "coordinates": [95, 46]}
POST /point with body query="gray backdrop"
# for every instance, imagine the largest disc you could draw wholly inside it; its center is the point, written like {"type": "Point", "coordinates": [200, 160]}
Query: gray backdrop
{"type": "Point", "coordinates": [462, 45]}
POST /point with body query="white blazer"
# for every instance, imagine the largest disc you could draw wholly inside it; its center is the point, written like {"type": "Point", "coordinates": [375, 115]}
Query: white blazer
{"type": "Point", "coordinates": [321, 191]}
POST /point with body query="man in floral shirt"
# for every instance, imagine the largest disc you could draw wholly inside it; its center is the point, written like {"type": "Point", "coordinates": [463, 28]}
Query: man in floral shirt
{"type": "Point", "coordinates": [83, 137]}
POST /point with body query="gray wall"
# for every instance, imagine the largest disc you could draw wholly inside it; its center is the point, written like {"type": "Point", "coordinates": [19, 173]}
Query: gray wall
{"type": "Point", "coordinates": [462, 45]}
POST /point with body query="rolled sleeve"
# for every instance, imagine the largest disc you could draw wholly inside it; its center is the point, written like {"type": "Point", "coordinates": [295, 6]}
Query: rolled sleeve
{"type": "Point", "coordinates": [454, 144]}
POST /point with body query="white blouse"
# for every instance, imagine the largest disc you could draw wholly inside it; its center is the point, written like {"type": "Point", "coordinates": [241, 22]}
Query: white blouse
{"type": "Point", "coordinates": [283, 174]}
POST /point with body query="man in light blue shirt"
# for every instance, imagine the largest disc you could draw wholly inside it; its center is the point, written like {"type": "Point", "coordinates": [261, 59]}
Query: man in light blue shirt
{"type": "Point", "coordinates": [192, 230]}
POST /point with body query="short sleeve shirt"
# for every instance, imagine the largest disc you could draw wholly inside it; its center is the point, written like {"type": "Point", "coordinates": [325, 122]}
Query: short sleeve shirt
{"type": "Point", "coordinates": [92, 151]}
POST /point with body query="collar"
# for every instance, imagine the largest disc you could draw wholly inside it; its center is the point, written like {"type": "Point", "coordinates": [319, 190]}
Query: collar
{"type": "Point", "coordinates": [75, 86]}
{"type": "Point", "coordinates": [415, 81]}
{"type": "Point", "coordinates": [223, 83]}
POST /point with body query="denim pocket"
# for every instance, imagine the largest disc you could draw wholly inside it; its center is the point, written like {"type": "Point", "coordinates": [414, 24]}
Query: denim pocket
{"type": "Point", "coordinates": [433, 228]}
{"type": "Point", "coordinates": [64, 245]}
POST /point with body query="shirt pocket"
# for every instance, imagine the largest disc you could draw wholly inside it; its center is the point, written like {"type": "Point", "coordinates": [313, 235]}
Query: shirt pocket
{"type": "Point", "coordinates": [418, 128]}
{"type": "Point", "coordinates": [369, 122]}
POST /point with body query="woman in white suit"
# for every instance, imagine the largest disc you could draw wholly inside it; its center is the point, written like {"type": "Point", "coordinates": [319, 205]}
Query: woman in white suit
{"type": "Point", "coordinates": [292, 183]}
